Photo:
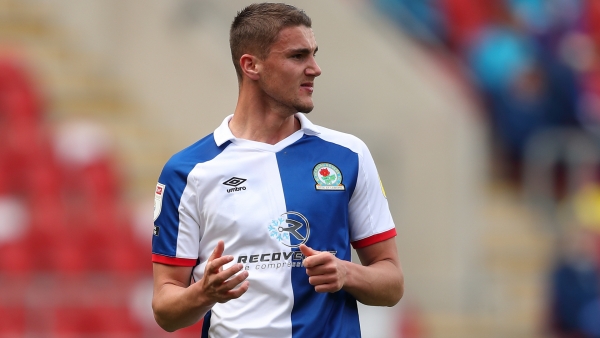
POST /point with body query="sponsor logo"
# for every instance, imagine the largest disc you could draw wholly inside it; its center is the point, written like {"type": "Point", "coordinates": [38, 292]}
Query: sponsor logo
{"type": "Point", "coordinates": [274, 260]}
{"type": "Point", "coordinates": [158, 197]}
{"type": "Point", "coordinates": [235, 182]}
{"type": "Point", "coordinates": [290, 229]}
{"type": "Point", "coordinates": [328, 177]}
{"type": "Point", "coordinates": [156, 230]}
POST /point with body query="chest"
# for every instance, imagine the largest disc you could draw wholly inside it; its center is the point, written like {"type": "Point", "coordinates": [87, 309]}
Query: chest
{"type": "Point", "coordinates": [263, 198]}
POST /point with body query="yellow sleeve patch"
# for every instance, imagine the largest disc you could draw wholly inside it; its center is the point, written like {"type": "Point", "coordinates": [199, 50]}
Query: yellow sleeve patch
{"type": "Point", "coordinates": [382, 190]}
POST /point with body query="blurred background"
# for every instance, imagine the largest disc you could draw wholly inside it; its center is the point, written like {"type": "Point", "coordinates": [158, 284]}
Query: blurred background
{"type": "Point", "coordinates": [482, 116]}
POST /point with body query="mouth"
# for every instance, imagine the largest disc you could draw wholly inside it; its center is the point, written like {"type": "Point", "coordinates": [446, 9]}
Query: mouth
{"type": "Point", "coordinates": [308, 86]}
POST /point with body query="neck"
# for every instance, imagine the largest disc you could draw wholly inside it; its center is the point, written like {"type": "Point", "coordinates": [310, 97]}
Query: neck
{"type": "Point", "coordinates": [255, 121]}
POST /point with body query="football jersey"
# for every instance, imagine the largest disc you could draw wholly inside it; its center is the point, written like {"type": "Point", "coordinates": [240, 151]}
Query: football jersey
{"type": "Point", "coordinates": [317, 187]}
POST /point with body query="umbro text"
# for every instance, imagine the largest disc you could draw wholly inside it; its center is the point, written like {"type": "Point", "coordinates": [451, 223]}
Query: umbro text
{"type": "Point", "coordinates": [235, 189]}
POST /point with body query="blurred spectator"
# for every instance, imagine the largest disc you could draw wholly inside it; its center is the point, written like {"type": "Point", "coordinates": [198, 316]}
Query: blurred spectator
{"type": "Point", "coordinates": [575, 286]}
{"type": "Point", "coordinates": [420, 18]}
{"type": "Point", "coordinates": [466, 19]}
{"type": "Point", "coordinates": [410, 322]}
{"type": "Point", "coordinates": [525, 87]}
{"type": "Point", "coordinates": [532, 61]}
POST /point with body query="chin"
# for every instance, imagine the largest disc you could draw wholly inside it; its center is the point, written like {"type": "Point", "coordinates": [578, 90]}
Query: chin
{"type": "Point", "coordinates": [305, 108]}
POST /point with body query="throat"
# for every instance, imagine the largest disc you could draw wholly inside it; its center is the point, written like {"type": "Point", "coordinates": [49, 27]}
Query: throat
{"type": "Point", "coordinates": [265, 130]}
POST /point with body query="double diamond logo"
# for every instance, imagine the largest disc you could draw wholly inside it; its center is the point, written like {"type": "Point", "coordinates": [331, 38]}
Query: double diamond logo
{"type": "Point", "coordinates": [234, 181]}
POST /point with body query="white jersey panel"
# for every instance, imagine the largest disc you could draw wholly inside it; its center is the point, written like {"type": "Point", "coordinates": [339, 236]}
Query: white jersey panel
{"type": "Point", "coordinates": [188, 237]}
{"type": "Point", "coordinates": [239, 215]}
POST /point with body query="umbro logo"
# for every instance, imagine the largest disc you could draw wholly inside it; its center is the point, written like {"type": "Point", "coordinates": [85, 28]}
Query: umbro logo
{"type": "Point", "coordinates": [235, 182]}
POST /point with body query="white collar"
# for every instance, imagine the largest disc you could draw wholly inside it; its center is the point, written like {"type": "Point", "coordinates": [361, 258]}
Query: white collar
{"type": "Point", "coordinates": [223, 134]}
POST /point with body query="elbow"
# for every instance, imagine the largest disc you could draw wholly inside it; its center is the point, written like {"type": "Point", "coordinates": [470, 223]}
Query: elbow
{"type": "Point", "coordinates": [161, 319]}
{"type": "Point", "coordinates": [398, 292]}
{"type": "Point", "coordinates": [165, 325]}
{"type": "Point", "coordinates": [397, 296]}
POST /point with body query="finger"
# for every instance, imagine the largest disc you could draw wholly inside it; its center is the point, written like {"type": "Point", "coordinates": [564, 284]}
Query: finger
{"type": "Point", "coordinates": [321, 258]}
{"type": "Point", "coordinates": [218, 251]}
{"type": "Point", "coordinates": [319, 267]}
{"type": "Point", "coordinates": [215, 265]}
{"type": "Point", "coordinates": [236, 293]}
{"type": "Point", "coordinates": [308, 251]}
{"type": "Point", "coordinates": [322, 280]}
{"type": "Point", "coordinates": [233, 282]}
{"type": "Point", "coordinates": [327, 288]}
{"type": "Point", "coordinates": [224, 275]}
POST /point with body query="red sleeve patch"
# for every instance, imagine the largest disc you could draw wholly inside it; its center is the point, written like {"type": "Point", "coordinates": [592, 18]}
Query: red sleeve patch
{"type": "Point", "coordinates": [374, 239]}
{"type": "Point", "coordinates": [173, 260]}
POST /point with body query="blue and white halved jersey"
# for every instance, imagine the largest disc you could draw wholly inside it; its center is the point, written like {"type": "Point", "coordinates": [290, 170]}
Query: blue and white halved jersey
{"type": "Point", "coordinates": [318, 187]}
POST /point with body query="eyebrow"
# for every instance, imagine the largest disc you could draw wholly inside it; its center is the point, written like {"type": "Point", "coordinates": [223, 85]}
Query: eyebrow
{"type": "Point", "coordinates": [302, 51]}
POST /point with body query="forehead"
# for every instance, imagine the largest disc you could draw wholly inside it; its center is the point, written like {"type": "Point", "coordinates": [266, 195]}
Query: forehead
{"type": "Point", "coordinates": [293, 38]}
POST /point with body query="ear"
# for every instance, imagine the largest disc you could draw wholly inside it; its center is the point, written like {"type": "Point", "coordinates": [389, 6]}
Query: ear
{"type": "Point", "coordinates": [250, 66]}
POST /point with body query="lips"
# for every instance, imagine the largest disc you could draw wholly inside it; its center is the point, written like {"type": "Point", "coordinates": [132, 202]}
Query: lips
{"type": "Point", "coordinates": [308, 86]}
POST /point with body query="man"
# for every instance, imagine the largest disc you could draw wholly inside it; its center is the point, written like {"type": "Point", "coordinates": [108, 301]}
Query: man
{"type": "Point", "coordinates": [261, 213]}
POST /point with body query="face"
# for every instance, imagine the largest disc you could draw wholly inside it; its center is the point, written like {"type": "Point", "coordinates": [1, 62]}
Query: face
{"type": "Point", "coordinates": [287, 74]}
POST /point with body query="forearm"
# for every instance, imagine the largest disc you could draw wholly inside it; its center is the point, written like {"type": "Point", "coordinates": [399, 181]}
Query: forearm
{"type": "Point", "coordinates": [378, 284]}
{"type": "Point", "coordinates": [176, 307]}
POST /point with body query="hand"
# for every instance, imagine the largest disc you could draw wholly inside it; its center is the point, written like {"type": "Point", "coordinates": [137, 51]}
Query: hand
{"type": "Point", "coordinates": [215, 283]}
{"type": "Point", "coordinates": [326, 272]}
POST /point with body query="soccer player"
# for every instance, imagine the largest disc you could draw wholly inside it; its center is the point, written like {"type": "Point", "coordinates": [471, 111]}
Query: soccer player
{"type": "Point", "coordinates": [254, 223]}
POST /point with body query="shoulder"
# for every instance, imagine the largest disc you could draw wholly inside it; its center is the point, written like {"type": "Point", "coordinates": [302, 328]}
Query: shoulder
{"type": "Point", "coordinates": [182, 162]}
{"type": "Point", "coordinates": [345, 140]}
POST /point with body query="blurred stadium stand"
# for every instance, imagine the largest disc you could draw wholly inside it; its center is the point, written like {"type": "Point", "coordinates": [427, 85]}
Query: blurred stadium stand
{"type": "Point", "coordinates": [534, 65]}
{"type": "Point", "coordinates": [96, 95]}
{"type": "Point", "coordinates": [70, 258]}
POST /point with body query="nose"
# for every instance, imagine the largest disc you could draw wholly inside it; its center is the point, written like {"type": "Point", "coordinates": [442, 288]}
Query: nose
{"type": "Point", "coordinates": [313, 69]}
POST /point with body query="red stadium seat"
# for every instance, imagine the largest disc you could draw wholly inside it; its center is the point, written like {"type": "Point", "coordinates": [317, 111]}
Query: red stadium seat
{"type": "Point", "coordinates": [15, 259]}
{"type": "Point", "coordinates": [19, 97]}
{"type": "Point", "coordinates": [12, 321]}
{"type": "Point", "coordinates": [68, 259]}
{"type": "Point", "coordinates": [123, 259]}
{"type": "Point", "coordinates": [97, 321]}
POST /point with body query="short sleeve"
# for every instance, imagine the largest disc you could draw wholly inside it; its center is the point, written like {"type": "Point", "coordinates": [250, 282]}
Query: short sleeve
{"type": "Point", "coordinates": [176, 235]}
{"type": "Point", "coordinates": [369, 214]}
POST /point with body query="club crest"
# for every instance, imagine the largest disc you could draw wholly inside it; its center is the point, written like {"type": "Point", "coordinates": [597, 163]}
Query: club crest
{"type": "Point", "coordinates": [328, 177]}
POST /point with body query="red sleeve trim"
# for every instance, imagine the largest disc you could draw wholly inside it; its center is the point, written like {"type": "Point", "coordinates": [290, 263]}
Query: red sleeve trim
{"type": "Point", "coordinates": [173, 260]}
{"type": "Point", "coordinates": [374, 239]}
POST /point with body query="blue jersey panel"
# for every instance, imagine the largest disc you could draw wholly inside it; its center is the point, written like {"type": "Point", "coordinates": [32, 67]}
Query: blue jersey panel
{"type": "Point", "coordinates": [327, 215]}
{"type": "Point", "coordinates": [206, 325]}
{"type": "Point", "coordinates": [174, 177]}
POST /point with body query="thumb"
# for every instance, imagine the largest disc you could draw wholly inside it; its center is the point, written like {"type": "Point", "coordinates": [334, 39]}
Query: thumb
{"type": "Point", "coordinates": [308, 251]}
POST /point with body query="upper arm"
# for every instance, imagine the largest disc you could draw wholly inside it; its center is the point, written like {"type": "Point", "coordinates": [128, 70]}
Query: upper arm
{"type": "Point", "coordinates": [171, 274]}
{"type": "Point", "coordinates": [382, 277]}
{"type": "Point", "coordinates": [381, 251]}
{"type": "Point", "coordinates": [369, 215]}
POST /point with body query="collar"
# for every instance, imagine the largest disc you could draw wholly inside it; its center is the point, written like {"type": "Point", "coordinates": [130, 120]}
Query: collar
{"type": "Point", "coordinates": [223, 134]}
